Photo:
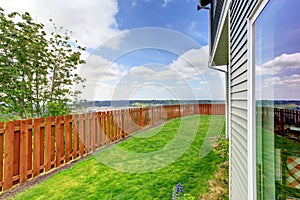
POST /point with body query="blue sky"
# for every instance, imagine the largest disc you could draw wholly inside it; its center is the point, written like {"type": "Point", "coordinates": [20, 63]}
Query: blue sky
{"type": "Point", "coordinates": [278, 51]}
{"type": "Point", "coordinates": [137, 49]}
{"type": "Point", "coordinates": [180, 15]}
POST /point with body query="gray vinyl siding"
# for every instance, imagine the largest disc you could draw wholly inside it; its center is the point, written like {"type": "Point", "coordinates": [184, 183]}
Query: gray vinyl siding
{"type": "Point", "coordinates": [239, 12]}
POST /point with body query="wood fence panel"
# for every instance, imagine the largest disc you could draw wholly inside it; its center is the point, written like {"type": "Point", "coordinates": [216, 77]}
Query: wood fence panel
{"type": "Point", "coordinates": [69, 133]}
{"type": "Point", "coordinates": [1, 154]}
{"type": "Point", "coordinates": [116, 119]}
{"type": "Point", "coordinates": [101, 128]}
{"type": "Point", "coordinates": [135, 122]}
{"type": "Point", "coordinates": [49, 142]}
{"type": "Point", "coordinates": [112, 126]}
{"type": "Point", "coordinates": [127, 121]}
{"type": "Point", "coordinates": [76, 136]}
{"type": "Point", "coordinates": [108, 126]}
{"type": "Point", "coordinates": [63, 140]}
{"type": "Point", "coordinates": [16, 155]}
{"type": "Point", "coordinates": [120, 124]}
{"type": "Point", "coordinates": [42, 145]}
{"type": "Point", "coordinates": [94, 131]}
{"type": "Point", "coordinates": [112, 129]}
{"type": "Point", "coordinates": [88, 132]}
{"type": "Point", "coordinates": [100, 131]}
{"type": "Point", "coordinates": [58, 141]}
{"type": "Point", "coordinates": [123, 132]}
{"type": "Point", "coordinates": [81, 135]}
{"type": "Point", "coordinates": [23, 150]}
{"type": "Point", "coordinates": [115, 125]}
{"type": "Point", "coordinates": [38, 149]}
{"type": "Point", "coordinates": [29, 147]}
{"type": "Point", "coordinates": [9, 156]}
{"type": "Point", "coordinates": [93, 135]}
{"type": "Point", "coordinates": [53, 138]}
{"type": "Point", "coordinates": [104, 127]}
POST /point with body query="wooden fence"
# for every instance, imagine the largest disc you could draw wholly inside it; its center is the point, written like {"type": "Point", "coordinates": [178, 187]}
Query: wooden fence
{"type": "Point", "coordinates": [31, 147]}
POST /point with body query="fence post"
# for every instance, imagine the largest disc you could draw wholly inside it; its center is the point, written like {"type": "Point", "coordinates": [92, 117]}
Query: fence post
{"type": "Point", "coordinates": [24, 150]}
{"type": "Point", "coordinates": [141, 118]}
{"type": "Point", "coordinates": [82, 140]}
{"type": "Point", "coordinates": [68, 138]}
{"type": "Point", "coordinates": [59, 140]}
{"type": "Point", "coordinates": [1, 153]}
{"type": "Point", "coordinates": [9, 156]}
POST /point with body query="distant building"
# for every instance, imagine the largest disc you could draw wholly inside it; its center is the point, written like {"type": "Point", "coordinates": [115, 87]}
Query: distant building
{"type": "Point", "coordinates": [257, 44]}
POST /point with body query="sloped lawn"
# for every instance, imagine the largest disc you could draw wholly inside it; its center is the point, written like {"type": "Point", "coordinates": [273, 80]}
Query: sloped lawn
{"type": "Point", "coordinates": [91, 179]}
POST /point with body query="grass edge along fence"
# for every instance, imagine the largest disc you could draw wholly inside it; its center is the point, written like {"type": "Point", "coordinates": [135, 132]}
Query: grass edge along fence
{"type": "Point", "coordinates": [32, 147]}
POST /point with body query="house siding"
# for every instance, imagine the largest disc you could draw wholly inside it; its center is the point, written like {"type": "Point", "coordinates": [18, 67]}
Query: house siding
{"type": "Point", "coordinates": [238, 43]}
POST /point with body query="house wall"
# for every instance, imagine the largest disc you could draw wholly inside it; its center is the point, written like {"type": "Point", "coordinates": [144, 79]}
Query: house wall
{"type": "Point", "coordinates": [238, 45]}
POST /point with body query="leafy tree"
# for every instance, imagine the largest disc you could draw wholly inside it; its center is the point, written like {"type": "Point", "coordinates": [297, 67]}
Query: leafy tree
{"type": "Point", "coordinates": [37, 70]}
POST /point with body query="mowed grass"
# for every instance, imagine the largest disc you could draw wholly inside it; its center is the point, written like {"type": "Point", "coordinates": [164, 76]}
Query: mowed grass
{"type": "Point", "coordinates": [91, 179]}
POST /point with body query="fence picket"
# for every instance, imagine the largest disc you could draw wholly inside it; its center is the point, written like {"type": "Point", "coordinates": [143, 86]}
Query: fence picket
{"type": "Point", "coordinates": [48, 143]}
{"type": "Point", "coordinates": [23, 150]}
{"type": "Point", "coordinates": [37, 147]}
{"type": "Point", "coordinates": [59, 140]}
{"type": "Point", "coordinates": [76, 136]}
{"type": "Point", "coordinates": [82, 140]}
{"type": "Point", "coordinates": [9, 156]}
{"type": "Point", "coordinates": [1, 154]}
{"type": "Point", "coordinates": [69, 132]}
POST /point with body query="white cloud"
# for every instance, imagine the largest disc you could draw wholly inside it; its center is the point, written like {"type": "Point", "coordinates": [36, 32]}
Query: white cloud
{"type": "Point", "coordinates": [290, 82]}
{"type": "Point", "coordinates": [278, 64]}
{"type": "Point", "coordinates": [98, 71]}
{"type": "Point", "coordinates": [97, 67]}
{"type": "Point", "coordinates": [192, 25]}
{"type": "Point", "coordinates": [142, 71]}
{"type": "Point", "coordinates": [165, 3]}
{"type": "Point", "coordinates": [92, 22]}
{"type": "Point", "coordinates": [192, 63]}
{"type": "Point", "coordinates": [187, 77]}
{"type": "Point", "coordinates": [133, 3]}
{"type": "Point", "coordinates": [188, 66]}
{"type": "Point", "coordinates": [280, 78]}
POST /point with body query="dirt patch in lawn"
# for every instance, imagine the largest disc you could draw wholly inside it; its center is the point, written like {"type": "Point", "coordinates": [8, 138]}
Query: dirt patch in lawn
{"type": "Point", "coordinates": [218, 185]}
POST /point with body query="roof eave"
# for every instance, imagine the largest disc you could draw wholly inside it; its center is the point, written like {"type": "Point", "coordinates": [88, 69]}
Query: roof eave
{"type": "Point", "coordinates": [219, 50]}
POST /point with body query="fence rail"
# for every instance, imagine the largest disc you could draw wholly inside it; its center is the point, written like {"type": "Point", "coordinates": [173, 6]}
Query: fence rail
{"type": "Point", "coordinates": [32, 147]}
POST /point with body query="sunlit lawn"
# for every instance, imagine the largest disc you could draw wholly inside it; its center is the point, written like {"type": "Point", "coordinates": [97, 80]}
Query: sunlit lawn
{"type": "Point", "coordinates": [91, 179]}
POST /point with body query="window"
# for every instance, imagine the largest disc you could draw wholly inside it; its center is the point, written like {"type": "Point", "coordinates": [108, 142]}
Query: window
{"type": "Point", "coordinates": [276, 89]}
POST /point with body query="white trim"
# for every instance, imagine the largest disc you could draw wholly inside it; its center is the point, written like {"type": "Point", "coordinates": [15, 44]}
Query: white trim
{"type": "Point", "coordinates": [219, 30]}
{"type": "Point", "coordinates": [251, 133]}
{"type": "Point", "coordinates": [229, 103]}
{"type": "Point", "coordinates": [229, 77]}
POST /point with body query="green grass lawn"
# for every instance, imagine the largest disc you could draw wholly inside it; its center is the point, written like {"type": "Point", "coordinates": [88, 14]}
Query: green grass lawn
{"type": "Point", "coordinates": [91, 179]}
